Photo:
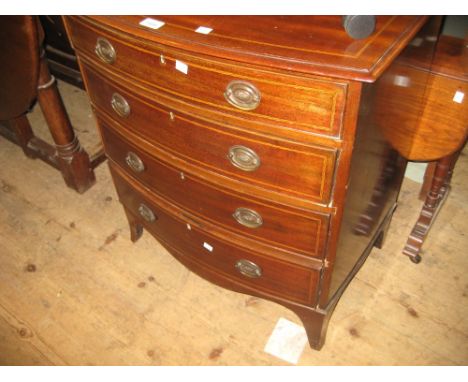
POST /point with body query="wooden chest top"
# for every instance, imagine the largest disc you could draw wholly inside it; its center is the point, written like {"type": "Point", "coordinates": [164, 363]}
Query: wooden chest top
{"type": "Point", "coordinates": [315, 45]}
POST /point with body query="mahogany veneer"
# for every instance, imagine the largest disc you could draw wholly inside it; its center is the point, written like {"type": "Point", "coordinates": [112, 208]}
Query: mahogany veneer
{"type": "Point", "coordinates": [441, 133]}
{"type": "Point", "coordinates": [255, 154]}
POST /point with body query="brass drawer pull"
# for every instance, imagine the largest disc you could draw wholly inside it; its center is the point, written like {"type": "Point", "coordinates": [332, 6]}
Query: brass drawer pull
{"type": "Point", "coordinates": [134, 162]}
{"type": "Point", "coordinates": [146, 213]}
{"type": "Point", "coordinates": [105, 51]}
{"type": "Point", "coordinates": [243, 95]}
{"type": "Point", "coordinates": [248, 218]}
{"type": "Point", "coordinates": [244, 158]}
{"type": "Point", "coordinates": [120, 105]}
{"type": "Point", "coordinates": [248, 268]}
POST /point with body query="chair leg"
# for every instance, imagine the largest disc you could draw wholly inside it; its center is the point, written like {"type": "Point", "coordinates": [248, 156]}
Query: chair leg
{"type": "Point", "coordinates": [73, 160]}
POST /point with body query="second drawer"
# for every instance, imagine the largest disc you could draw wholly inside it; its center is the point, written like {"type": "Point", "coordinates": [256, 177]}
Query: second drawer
{"type": "Point", "coordinates": [284, 167]}
{"type": "Point", "coordinates": [292, 229]}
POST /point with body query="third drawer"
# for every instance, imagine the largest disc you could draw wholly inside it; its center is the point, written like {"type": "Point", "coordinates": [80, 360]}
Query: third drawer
{"type": "Point", "coordinates": [294, 230]}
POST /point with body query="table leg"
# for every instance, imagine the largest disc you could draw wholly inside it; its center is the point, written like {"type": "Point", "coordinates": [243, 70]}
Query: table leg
{"type": "Point", "coordinates": [437, 193]}
{"type": "Point", "coordinates": [72, 159]}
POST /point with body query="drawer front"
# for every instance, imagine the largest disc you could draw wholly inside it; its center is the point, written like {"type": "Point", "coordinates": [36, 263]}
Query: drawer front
{"type": "Point", "coordinates": [273, 276]}
{"type": "Point", "coordinates": [308, 104]}
{"type": "Point", "coordinates": [279, 226]}
{"type": "Point", "coordinates": [300, 171]}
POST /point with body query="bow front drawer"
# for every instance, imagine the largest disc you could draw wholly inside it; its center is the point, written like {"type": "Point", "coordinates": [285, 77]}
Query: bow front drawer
{"type": "Point", "coordinates": [205, 252]}
{"type": "Point", "coordinates": [280, 99]}
{"type": "Point", "coordinates": [257, 219]}
{"type": "Point", "coordinates": [257, 162]}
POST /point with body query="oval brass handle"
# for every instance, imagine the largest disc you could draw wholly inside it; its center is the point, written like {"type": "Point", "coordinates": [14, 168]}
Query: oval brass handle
{"type": "Point", "coordinates": [244, 158]}
{"type": "Point", "coordinates": [120, 105]}
{"type": "Point", "coordinates": [248, 268]}
{"type": "Point", "coordinates": [243, 95]}
{"type": "Point", "coordinates": [248, 218]}
{"type": "Point", "coordinates": [146, 213]}
{"type": "Point", "coordinates": [134, 162]}
{"type": "Point", "coordinates": [105, 51]}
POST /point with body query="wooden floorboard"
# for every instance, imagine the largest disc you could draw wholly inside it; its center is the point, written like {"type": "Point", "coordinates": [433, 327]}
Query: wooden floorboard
{"type": "Point", "coordinates": [74, 290]}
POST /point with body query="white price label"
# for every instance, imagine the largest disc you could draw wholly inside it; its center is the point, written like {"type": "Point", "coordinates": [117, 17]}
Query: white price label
{"type": "Point", "coordinates": [204, 30]}
{"type": "Point", "coordinates": [207, 246]}
{"type": "Point", "coordinates": [181, 66]}
{"type": "Point", "coordinates": [458, 97]}
{"type": "Point", "coordinates": [152, 23]}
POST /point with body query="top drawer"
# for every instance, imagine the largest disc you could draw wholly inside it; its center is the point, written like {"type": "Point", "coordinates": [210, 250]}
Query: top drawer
{"type": "Point", "coordinates": [257, 96]}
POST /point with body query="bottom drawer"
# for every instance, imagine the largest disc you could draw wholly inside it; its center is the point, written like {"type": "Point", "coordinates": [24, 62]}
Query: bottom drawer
{"type": "Point", "coordinates": [254, 271]}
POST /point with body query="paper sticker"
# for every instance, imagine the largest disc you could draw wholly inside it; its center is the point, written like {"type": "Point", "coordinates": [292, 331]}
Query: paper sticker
{"type": "Point", "coordinates": [203, 30]}
{"type": "Point", "coordinates": [287, 341]}
{"type": "Point", "coordinates": [458, 97]}
{"type": "Point", "coordinates": [152, 23]}
{"type": "Point", "coordinates": [181, 66]}
{"type": "Point", "coordinates": [208, 246]}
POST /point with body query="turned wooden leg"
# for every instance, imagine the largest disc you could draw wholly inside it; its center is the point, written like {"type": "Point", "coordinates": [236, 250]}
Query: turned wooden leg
{"type": "Point", "coordinates": [448, 179]}
{"type": "Point", "coordinates": [19, 132]}
{"type": "Point", "coordinates": [428, 175]}
{"type": "Point", "coordinates": [136, 229]}
{"type": "Point", "coordinates": [23, 134]}
{"type": "Point", "coordinates": [429, 211]}
{"type": "Point", "coordinates": [72, 159]}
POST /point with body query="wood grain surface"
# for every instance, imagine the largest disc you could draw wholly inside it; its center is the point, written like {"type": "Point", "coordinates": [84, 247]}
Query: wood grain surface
{"type": "Point", "coordinates": [307, 103]}
{"type": "Point", "coordinates": [428, 116]}
{"type": "Point", "coordinates": [302, 43]}
{"type": "Point", "coordinates": [75, 290]}
{"type": "Point", "coordinates": [213, 203]}
{"type": "Point", "coordinates": [204, 145]}
{"type": "Point", "coordinates": [300, 105]}
{"type": "Point", "coordinates": [19, 68]}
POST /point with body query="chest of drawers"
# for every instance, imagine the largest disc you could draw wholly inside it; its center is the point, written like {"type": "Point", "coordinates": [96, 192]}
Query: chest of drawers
{"type": "Point", "coordinates": [254, 152]}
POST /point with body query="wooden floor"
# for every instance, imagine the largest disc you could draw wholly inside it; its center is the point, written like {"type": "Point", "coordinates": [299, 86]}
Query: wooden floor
{"type": "Point", "coordinates": [75, 291]}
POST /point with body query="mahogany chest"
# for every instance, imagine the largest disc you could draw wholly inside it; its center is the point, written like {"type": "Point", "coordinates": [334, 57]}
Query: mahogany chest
{"type": "Point", "coordinates": [253, 148]}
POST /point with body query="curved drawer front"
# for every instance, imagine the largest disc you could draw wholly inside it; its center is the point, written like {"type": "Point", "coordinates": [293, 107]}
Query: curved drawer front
{"type": "Point", "coordinates": [300, 171]}
{"type": "Point", "coordinates": [279, 226]}
{"type": "Point", "coordinates": [307, 104]}
{"type": "Point", "coordinates": [273, 276]}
